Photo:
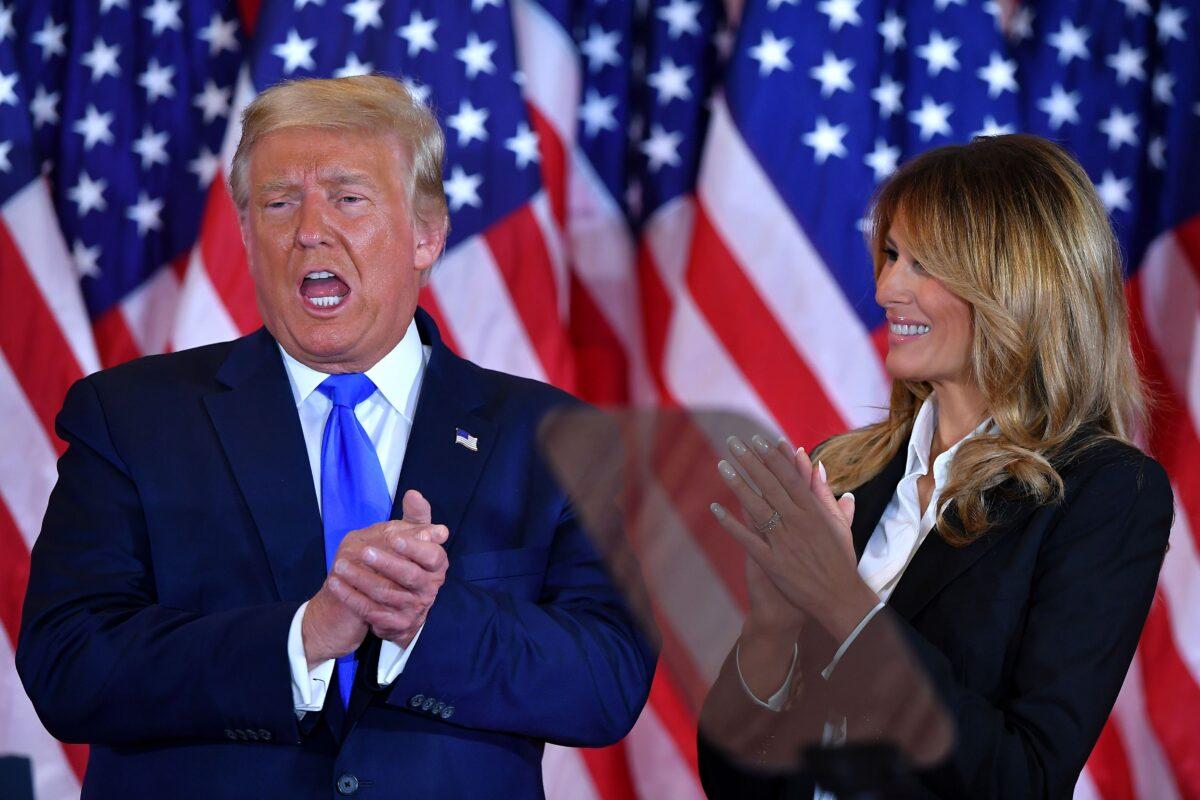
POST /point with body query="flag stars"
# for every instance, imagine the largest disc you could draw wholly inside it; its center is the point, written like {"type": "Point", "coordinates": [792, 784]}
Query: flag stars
{"type": "Point", "coordinates": [163, 15]}
{"type": "Point", "coordinates": [883, 159]}
{"type": "Point", "coordinates": [892, 31]}
{"type": "Point", "coordinates": [1163, 88]}
{"type": "Point", "coordinates": [1120, 128]}
{"type": "Point", "coordinates": [681, 16]}
{"type": "Point", "coordinates": [6, 22]}
{"type": "Point", "coordinates": [1070, 42]}
{"type": "Point", "coordinates": [1000, 75]}
{"type": "Point", "coordinates": [597, 113]}
{"type": "Point", "coordinates": [50, 39]}
{"type": "Point", "coordinates": [5, 149]}
{"type": "Point", "coordinates": [772, 54]}
{"type": "Point", "coordinates": [1169, 22]}
{"type": "Point", "coordinates": [204, 167]}
{"type": "Point", "coordinates": [102, 59]}
{"type": "Point", "coordinates": [94, 127]}
{"type": "Point", "coordinates": [299, 5]}
{"type": "Point", "coordinates": [480, 5]}
{"type": "Point", "coordinates": [524, 145]}
{"type": "Point", "coordinates": [295, 52]}
{"type": "Point", "coordinates": [661, 149]}
{"type": "Point", "coordinates": [8, 86]}
{"type": "Point", "coordinates": [600, 48]}
{"type": "Point", "coordinates": [469, 122]}
{"type": "Point", "coordinates": [833, 74]}
{"type": "Point", "coordinates": [476, 56]}
{"type": "Point", "coordinates": [993, 128]}
{"type": "Point", "coordinates": [213, 102]}
{"type": "Point", "coordinates": [365, 14]}
{"type": "Point", "coordinates": [86, 259]}
{"type": "Point", "coordinates": [1128, 62]}
{"type": "Point", "coordinates": [1062, 106]}
{"type": "Point", "coordinates": [1020, 24]}
{"type": "Point", "coordinates": [151, 147]}
{"type": "Point", "coordinates": [418, 33]}
{"type": "Point", "coordinates": [939, 53]}
{"type": "Point", "coordinates": [353, 67]}
{"type": "Point", "coordinates": [156, 80]}
{"type": "Point", "coordinates": [418, 90]}
{"type": "Point", "coordinates": [670, 81]}
{"type": "Point", "coordinates": [108, 5]}
{"type": "Point", "coordinates": [1135, 7]}
{"type": "Point", "coordinates": [44, 107]}
{"type": "Point", "coordinates": [462, 189]}
{"type": "Point", "coordinates": [887, 95]}
{"type": "Point", "coordinates": [88, 195]}
{"type": "Point", "coordinates": [1156, 151]}
{"type": "Point", "coordinates": [145, 213]}
{"type": "Point", "coordinates": [942, 5]}
{"type": "Point", "coordinates": [220, 34]}
{"type": "Point", "coordinates": [932, 118]}
{"type": "Point", "coordinates": [1114, 191]}
{"type": "Point", "coordinates": [826, 140]}
{"type": "Point", "coordinates": [840, 12]}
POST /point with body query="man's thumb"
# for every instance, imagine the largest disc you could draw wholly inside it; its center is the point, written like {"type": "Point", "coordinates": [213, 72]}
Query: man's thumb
{"type": "Point", "coordinates": [416, 508]}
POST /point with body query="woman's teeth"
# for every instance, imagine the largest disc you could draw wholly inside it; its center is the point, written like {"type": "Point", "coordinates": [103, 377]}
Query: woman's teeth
{"type": "Point", "coordinates": [909, 330]}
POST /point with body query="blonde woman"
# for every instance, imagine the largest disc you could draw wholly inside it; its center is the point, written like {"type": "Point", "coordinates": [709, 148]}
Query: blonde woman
{"type": "Point", "coordinates": [999, 518]}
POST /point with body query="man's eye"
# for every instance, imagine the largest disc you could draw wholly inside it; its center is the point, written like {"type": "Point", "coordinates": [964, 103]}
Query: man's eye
{"type": "Point", "coordinates": [276, 203]}
{"type": "Point", "coordinates": [350, 198]}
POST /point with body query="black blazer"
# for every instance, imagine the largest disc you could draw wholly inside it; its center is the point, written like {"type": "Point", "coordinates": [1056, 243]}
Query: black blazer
{"type": "Point", "coordinates": [1026, 633]}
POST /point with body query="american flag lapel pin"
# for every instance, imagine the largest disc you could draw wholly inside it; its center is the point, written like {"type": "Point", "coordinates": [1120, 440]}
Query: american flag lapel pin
{"type": "Point", "coordinates": [466, 440]}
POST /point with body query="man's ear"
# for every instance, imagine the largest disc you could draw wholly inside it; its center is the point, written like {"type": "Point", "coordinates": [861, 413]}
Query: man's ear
{"type": "Point", "coordinates": [431, 238]}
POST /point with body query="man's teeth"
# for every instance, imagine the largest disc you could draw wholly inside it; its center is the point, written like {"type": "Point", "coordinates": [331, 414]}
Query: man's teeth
{"type": "Point", "coordinates": [326, 302]}
{"type": "Point", "coordinates": [312, 276]}
{"type": "Point", "coordinates": [909, 330]}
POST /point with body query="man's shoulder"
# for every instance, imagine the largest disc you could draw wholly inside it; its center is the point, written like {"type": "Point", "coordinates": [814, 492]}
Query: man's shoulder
{"type": "Point", "coordinates": [194, 367]}
{"type": "Point", "coordinates": [507, 393]}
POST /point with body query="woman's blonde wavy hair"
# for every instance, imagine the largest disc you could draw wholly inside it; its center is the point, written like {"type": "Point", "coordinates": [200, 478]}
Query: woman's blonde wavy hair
{"type": "Point", "coordinates": [1012, 225]}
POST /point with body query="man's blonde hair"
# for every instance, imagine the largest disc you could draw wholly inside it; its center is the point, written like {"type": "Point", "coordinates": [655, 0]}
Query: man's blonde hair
{"type": "Point", "coordinates": [1012, 225]}
{"type": "Point", "coordinates": [364, 103]}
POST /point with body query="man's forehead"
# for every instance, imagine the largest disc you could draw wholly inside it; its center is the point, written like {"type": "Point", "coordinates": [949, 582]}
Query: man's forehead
{"type": "Point", "coordinates": [323, 148]}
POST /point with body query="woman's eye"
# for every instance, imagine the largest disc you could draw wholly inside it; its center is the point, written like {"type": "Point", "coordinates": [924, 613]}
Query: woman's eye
{"type": "Point", "coordinates": [891, 254]}
{"type": "Point", "coordinates": [917, 268]}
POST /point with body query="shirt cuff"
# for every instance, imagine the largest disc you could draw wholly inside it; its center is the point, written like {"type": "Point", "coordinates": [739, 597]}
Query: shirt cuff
{"type": "Point", "coordinates": [308, 685]}
{"type": "Point", "coordinates": [825, 673]}
{"type": "Point", "coordinates": [775, 701]}
{"type": "Point", "coordinates": [392, 658]}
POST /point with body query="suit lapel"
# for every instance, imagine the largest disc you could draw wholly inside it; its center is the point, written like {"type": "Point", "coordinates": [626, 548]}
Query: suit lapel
{"type": "Point", "coordinates": [259, 429]}
{"type": "Point", "coordinates": [871, 499]}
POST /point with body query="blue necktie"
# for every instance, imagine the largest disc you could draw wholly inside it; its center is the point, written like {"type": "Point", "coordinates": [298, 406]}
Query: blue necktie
{"type": "Point", "coordinates": [354, 493]}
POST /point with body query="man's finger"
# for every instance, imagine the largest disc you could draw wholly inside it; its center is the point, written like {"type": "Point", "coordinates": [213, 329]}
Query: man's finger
{"type": "Point", "coordinates": [416, 508]}
{"type": "Point", "coordinates": [429, 555]}
{"type": "Point", "coordinates": [408, 576]}
{"type": "Point", "coordinates": [377, 587]}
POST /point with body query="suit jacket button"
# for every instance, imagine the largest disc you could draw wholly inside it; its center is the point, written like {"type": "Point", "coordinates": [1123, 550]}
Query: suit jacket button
{"type": "Point", "coordinates": [447, 712]}
{"type": "Point", "coordinates": [252, 735]}
{"type": "Point", "coordinates": [347, 784]}
{"type": "Point", "coordinates": [264, 734]}
{"type": "Point", "coordinates": [428, 704]}
{"type": "Point", "coordinates": [229, 734]}
{"type": "Point", "coordinates": [437, 709]}
{"type": "Point", "coordinates": [416, 700]}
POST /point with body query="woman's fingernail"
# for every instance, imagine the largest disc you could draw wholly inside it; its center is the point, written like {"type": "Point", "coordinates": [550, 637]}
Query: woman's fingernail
{"type": "Point", "coordinates": [717, 510]}
{"type": "Point", "coordinates": [821, 472]}
{"type": "Point", "coordinates": [850, 495]}
{"type": "Point", "coordinates": [726, 469]}
{"type": "Point", "coordinates": [762, 444]}
{"type": "Point", "coordinates": [799, 451]}
{"type": "Point", "coordinates": [735, 444]}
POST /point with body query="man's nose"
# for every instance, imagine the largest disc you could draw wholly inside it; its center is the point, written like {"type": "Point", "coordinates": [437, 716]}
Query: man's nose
{"type": "Point", "coordinates": [312, 229]}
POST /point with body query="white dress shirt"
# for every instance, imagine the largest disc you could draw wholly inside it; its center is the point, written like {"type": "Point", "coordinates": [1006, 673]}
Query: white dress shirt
{"type": "Point", "coordinates": [899, 532]}
{"type": "Point", "coordinates": [387, 417]}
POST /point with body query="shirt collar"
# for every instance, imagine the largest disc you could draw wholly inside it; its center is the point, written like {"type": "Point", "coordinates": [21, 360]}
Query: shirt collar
{"type": "Point", "coordinates": [920, 442]}
{"type": "Point", "coordinates": [397, 376]}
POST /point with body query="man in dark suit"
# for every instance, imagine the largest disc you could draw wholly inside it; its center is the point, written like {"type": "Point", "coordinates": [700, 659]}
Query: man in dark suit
{"type": "Point", "coordinates": [324, 559]}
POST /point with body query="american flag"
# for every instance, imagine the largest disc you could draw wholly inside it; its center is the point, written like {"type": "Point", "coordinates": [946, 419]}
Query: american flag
{"type": "Point", "coordinates": [652, 202]}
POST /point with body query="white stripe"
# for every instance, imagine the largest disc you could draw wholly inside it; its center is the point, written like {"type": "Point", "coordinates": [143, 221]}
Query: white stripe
{"type": "Point", "coordinates": [242, 96]}
{"type": "Point", "coordinates": [657, 767]}
{"type": "Point", "coordinates": [27, 459]}
{"type": "Point", "coordinates": [539, 206]}
{"type": "Point", "coordinates": [201, 317]}
{"type": "Point", "coordinates": [479, 311]}
{"type": "Point", "coordinates": [668, 234]}
{"type": "Point", "coordinates": [546, 55]}
{"type": "Point", "coordinates": [21, 733]}
{"type": "Point", "coordinates": [1180, 582]}
{"type": "Point", "coordinates": [565, 776]}
{"type": "Point", "coordinates": [1152, 777]}
{"type": "Point", "coordinates": [149, 310]}
{"type": "Point", "coordinates": [30, 218]}
{"type": "Point", "coordinates": [1170, 299]}
{"type": "Point", "coordinates": [1085, 789]}
{"type": "Point", "coordinates": [791, 279]}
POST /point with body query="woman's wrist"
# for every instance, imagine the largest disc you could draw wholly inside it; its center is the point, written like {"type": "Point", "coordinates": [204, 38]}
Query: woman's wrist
{"type": "Point", "coordinates": [844, 614]}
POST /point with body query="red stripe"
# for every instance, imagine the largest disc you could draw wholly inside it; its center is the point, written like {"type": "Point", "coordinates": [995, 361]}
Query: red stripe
{"type": "Point", "coordinates": [225, 258]}
{"type": "Point", "coordinates": [755, 341]}
{"type": "Point", "coordinates": [1187, 235]}
{"type": "Point", "coordinates": [114, 340]}
{"type": "Point", "coordinates": [658, 307]}
{"type": "Point", "coordinates": [675, 716]}
{"type": "Point", "coordinates": [429, 302]}
{"type": "Point", "coordinates": [1109, 766]}
{"type": "Point", "coordinates": [248, 12]}
{"type": "Point", "coordinates": [14, 555]}
{"type": "Point", "coordinates": [34, 346]}
{"type": "Point", "coordinates": [554, 160]}
{"type": "Point", "coordinates": [520, 253]}
{"type": "Point", "coordinates": [879, 340]}
{"type": "Point", "coordinates": [609, 770]}
{"type": "Point", "coordinates": [1172, 700]}
{"type": "Point", "coordinates": [602, 368]}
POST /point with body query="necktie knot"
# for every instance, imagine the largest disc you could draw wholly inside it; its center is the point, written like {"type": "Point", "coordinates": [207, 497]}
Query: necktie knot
{"type": "Point", "coordinates": [348, 389]}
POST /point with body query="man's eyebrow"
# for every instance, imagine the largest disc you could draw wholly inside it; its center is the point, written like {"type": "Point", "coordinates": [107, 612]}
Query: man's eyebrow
{"type": "Point", "coordinates": [339, 178]}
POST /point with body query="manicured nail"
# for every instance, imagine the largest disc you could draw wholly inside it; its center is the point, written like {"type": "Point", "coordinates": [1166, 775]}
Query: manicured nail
{"type": "Point", "coordinates": [735, 444]}
{"type": "Point", "coordinates": [726, 469]}
{"type": "Point", "coordinates": [821, 472]}
{"type": "Point", "coordinates": [717, 510]}
{"type": "Point", "coordinates": [762, 444]}
{"type": "Point", "coordinates": [370, 556]}
{"type": "Point", "coordinates": [799, 452]}
{"type": "Point", "coordinates": [850, 495]}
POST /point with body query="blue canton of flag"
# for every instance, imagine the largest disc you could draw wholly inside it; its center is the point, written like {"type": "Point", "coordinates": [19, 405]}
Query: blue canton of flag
{"type": "Point", "coordinates": [466, 440]}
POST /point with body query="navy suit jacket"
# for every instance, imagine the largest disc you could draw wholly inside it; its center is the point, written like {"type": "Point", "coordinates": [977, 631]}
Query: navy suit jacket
{"type": "Point", "coordinates": [183, 534]}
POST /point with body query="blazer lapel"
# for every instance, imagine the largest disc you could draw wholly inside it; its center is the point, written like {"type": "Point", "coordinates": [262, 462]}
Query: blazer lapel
{"type": "Point", "coordinates": [871, 499]}
{"type": "Point", "coordinates": [259, 429]}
